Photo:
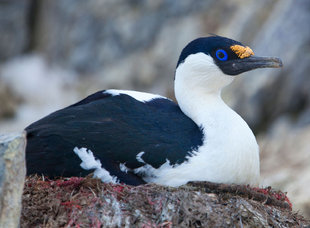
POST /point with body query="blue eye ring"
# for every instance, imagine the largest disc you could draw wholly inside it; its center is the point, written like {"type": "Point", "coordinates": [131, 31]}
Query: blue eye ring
{"type": "Point", "coordinates": [221, 55]}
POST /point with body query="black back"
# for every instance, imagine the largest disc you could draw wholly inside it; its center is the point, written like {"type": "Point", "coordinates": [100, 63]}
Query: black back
{"type": "Point", "coordinates": [115, 129]}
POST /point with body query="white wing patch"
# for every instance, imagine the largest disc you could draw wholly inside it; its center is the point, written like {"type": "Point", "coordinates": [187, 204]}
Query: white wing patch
{"type": "Point", "coordinates": [123, 167]}
{"type": "Point", "coordinates": [89, 162]}
{"type": "Point", "coordinates": [151, 174]}
{"type": "Point", "coordinates": [140, 96]}
{"type": "Point", "coordinates": [139, 157]}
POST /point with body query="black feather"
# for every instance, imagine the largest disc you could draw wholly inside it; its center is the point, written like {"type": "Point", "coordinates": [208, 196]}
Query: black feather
{"type": "Point", "coordinates": [115, 129]}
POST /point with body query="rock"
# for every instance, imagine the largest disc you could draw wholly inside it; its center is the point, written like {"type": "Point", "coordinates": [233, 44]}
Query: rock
{"type": "Point", "coordinates": [88, 36]}
{"type": "Point", "coordinates": [9, 102]}
{"type": "Point", "coordinates": [14, 29]}
{"type": "Point", "coordinates": [24, 91]}
{"type": "Point", "coordinates": [263, 95]}
{"type": "Point", "coordinates": [12, 176]}
{"type": "Point", "coordinates": [285, 161]}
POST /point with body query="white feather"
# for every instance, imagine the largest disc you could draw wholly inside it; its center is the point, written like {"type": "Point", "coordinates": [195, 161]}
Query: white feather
{"type": "Point", "coordinates": [89, 162]}
{"type": "Point", "coordinates": [140, 96]}
{"type": "Point", "coordinates": [139, 157]}
{"type": "Point", "coordinates": [123, 167]}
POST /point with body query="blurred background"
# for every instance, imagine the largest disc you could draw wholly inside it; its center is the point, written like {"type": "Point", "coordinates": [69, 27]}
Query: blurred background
{"type": "Point", "coordinates": [55, 52]}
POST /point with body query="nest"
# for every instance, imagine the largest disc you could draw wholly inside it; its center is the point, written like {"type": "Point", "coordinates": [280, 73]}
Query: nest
{"type": "Point", "coordinates": [87, 202]}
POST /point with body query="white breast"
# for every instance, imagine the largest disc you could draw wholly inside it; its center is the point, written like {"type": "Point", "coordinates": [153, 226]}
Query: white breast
{"type": "Point", "coordinates": [229, 154]}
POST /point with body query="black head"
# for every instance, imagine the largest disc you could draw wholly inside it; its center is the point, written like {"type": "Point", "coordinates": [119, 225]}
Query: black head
{"type": "Point", "coordinates": [231, 56]}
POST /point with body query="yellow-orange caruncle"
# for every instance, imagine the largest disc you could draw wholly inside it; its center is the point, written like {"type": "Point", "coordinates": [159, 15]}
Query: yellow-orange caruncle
{"type": "Point", "coordinates": [241, 51]}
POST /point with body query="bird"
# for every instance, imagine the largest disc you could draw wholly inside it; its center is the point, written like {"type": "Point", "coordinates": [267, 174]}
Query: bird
{"type": "Point", "coordinates": [134, 138]}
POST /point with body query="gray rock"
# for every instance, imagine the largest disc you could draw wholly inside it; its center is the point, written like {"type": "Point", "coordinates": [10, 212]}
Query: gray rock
{"type": "Point", "coordinates": [8, 100]}
{"type": "Point", "coordinates": [88, 35]}
{"type": "Point", "coordinates": [12, 176]}
{"type": "Point", "coordinates": [263, 95]}
{"type": "Point", "coordinates": [285, 161]}
{"type": "Point", "coordinates": [14, 27]}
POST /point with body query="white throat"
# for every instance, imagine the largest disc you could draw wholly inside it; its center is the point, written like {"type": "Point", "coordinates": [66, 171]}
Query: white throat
{"type": "Point", "coordinates": [198, 84]}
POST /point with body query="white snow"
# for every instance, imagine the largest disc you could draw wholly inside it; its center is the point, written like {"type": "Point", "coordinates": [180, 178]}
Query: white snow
{"type": "Point", "coordinates": [89, 162]}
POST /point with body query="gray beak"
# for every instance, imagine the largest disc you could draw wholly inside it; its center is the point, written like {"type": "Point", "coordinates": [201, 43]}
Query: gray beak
{"type": "Point", "coordinates": [238, 66]}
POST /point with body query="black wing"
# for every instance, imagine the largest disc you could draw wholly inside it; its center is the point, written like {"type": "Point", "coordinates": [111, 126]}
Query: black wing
{"type": "Point", "coordinates": [115, 129]}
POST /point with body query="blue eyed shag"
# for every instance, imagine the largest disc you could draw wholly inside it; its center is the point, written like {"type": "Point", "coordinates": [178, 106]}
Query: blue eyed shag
{"type": "Point", "coordinates": [135, 138]}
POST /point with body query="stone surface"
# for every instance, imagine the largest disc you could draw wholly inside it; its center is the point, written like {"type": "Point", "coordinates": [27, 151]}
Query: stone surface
{"type": "Point", "coordinates": [285, 157]}
{"type": "Point", "coordinates": [14, 30]}
{"type": "Point", "coordinates": [9, 101]}
{"type": "Point", "coordinates": [12, 176]}
{"type": "Point", "coordinates": [75, 32]}
{"type": "Point", "coordinates": [268, 94]}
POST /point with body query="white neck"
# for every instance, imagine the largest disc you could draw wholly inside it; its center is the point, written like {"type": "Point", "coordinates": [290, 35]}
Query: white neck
{"type": "Point", "coordinates": [198, 85]}
{"type": "Point", "coordinates": [229, 153]}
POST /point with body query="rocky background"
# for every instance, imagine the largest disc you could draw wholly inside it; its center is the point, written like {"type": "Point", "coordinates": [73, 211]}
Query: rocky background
{"type": "Point", "coordinates": [54, 52]}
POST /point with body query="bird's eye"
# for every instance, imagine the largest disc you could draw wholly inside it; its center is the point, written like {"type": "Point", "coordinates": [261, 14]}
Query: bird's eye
{"type": "Point", "coordinates": [221, 55]}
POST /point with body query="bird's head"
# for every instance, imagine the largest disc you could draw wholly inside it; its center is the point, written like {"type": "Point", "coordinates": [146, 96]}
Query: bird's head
{"type": "Point", "coordinates": [209, 64]}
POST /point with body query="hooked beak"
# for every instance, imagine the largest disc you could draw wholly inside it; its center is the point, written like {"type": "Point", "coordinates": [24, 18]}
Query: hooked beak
{"type": "Point", "coordinates": [238, 66]}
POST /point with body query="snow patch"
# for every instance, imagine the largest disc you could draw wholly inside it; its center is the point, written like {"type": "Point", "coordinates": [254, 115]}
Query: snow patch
{"type": "Point", "coordinates": [89, 162]}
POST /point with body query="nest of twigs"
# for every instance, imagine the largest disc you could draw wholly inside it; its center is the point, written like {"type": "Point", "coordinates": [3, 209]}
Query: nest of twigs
{"type": "Point", "coordinates": [87, 202]}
